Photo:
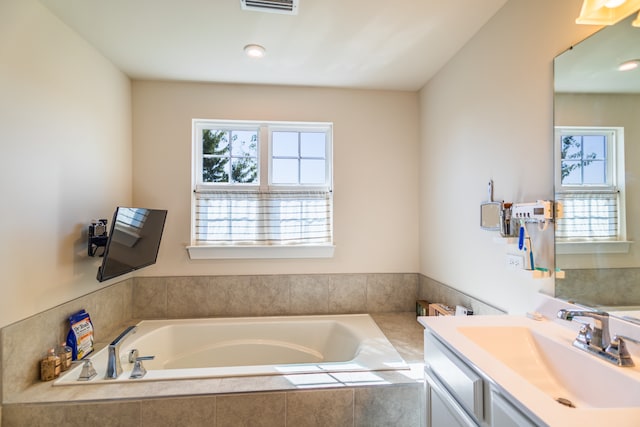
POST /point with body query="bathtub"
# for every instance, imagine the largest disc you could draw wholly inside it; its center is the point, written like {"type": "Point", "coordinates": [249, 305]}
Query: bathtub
{"type": "Point", "coordinates": [226, 347]}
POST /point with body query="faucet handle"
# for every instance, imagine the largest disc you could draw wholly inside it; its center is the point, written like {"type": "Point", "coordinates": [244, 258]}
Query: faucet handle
{"type": "Point", "coordinates": [138, 368]}
{"type": "Point", "coordinates": [88, 371]}
{"type": "Point", "coordinates": [133, 355]}
{"type": "Point", "coordinates": [618, 349]}
{"type": "Point", "coordinates": [585, 334]}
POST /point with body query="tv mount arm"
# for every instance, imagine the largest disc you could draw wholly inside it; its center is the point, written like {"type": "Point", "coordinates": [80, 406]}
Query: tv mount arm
{"type": "Point", "coordinates": [97, 236]}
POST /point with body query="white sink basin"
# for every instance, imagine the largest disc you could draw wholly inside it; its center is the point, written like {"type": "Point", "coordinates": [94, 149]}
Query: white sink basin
{"type": "Point", "coordinates": [557, 368]}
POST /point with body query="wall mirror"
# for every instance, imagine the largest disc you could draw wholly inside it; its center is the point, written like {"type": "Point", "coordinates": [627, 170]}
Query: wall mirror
{"type": "Point", "coordinates": [597, 170]}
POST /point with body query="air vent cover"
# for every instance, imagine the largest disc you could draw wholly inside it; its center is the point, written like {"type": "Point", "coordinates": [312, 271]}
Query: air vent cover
{"type": "Point", "coordinates": [289, 7]}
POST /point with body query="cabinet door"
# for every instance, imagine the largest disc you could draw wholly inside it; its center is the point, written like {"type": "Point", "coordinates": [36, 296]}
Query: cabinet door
{"type": "Point", "coordinates": [459, 378]}
{"type": "Point", "coordinates": [442, 409]}
{"type": "Point", "coordinates": [504, 414]}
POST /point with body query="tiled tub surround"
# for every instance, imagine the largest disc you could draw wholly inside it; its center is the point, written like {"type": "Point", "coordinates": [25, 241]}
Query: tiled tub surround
{"type": "Point", "coordinates": [390, 298]}
{"type": "Point", "coordinates": [364, 398]}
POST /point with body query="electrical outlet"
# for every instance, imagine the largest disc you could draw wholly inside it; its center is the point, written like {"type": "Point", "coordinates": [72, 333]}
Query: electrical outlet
{"type": "Point", "coordinates": [515, 261]}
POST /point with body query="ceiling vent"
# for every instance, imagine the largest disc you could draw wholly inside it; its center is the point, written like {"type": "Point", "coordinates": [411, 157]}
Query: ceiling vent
{"type": "Point", "coordinates": [288, 7]}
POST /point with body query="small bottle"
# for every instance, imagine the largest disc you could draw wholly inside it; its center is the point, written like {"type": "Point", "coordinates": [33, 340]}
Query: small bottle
{"type": "Point", "coordinates": [56, 362]}
{"type": "Point", "coordinates": [50, 366]}
{"type": "Point", "coordinates": [64, 353]}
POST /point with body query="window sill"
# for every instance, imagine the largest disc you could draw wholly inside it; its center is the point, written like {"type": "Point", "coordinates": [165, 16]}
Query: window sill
{"type": "Point", "coordinates": [615, 247]}
{"type": "Point", "coordinates": [260, 252]}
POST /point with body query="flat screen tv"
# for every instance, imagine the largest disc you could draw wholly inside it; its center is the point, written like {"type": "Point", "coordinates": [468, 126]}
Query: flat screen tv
{"type": "Point", "coordinates": [133, 241]}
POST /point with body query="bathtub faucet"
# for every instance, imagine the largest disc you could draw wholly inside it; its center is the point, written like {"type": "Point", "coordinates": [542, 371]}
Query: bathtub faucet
{"type": "Point", "coordinates": [114, 368]}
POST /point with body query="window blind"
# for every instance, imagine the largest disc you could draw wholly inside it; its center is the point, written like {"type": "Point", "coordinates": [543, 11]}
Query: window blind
{"type": "Point", "coordinates": [588, 215]}
{"type": "Point", "coordinates": [264, 218]}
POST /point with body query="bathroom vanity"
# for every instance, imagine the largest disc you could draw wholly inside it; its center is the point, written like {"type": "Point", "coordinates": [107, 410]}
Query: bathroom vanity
{"type": "Point", "coordinates": [515, 371]}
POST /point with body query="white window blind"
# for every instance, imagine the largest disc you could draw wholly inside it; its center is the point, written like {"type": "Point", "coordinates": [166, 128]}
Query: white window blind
{"type": "Point", "coordinates": [588, 215]}
{"type": "Point", "coordinates": [263, 218]}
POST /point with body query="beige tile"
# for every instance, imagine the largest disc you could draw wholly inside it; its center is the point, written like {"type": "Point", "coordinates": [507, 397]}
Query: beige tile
{"type": "Point", "coordinates": [320, 408]}
{"type": "Point", "coordinates": [434, 292]}
{"type": "Point", "coordinates": [229, 296]}
{"type": "Point", "coordinates": [269, 295]}
{"type": "Point", "coordinates": [187, 297]}
{"type": "Point", "coordinates": [110, 414]}
{"type": "Point", "coordinates": [251, 410]}
{"type": "Point", "coordinates": [32, 415]}
{"type": "Point", "coordinates": [404, 332]}
{"type": "Point", "coordinates": [391, 292]}
{"type": "Point", "coordinates": [388, 406]}
{"type": "Point", "coordinates": [23, 345]}
{"type": "Point", "coordinates": [109, 308]}
{"type": "Point", "coordinates": [348, 293]}
{"type": "Point", "coordinates": [149, 298]}
{"type": "Point", "coordinates": [309, 294]}
{"type": "Point", "coordinates": [183, 412]}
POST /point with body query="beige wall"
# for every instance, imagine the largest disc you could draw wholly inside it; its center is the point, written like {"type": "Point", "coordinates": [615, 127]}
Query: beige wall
{"type": "Point", "coordinates": [608, 110]}
{"type": "Point", "coordinates": [65, 138]}
{"type": "Point", "coordinates": [375, 153]}
{"type": "Point", "coordinates": [489, 115]}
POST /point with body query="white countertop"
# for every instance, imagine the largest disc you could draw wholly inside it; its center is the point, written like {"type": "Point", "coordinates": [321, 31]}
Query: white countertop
{"type": "Point", "coordinates": [538, 402]}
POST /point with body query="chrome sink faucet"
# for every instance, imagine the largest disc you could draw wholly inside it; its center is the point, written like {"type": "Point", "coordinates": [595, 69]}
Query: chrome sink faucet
{"type": "Point", "coordinates": [599, 336]}
{"type": "Point", "coordinates": [597, 341]}
{"type": "Point", "coordinates": [114, 367]}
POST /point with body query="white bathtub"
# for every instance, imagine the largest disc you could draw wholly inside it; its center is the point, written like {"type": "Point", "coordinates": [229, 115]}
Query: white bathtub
{"type": "Point", "coordinates": [224, 347]}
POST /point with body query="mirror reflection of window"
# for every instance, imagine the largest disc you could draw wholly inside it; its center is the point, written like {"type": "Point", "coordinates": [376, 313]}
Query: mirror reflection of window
{"type": "Point", "coordinates": [590, 169]}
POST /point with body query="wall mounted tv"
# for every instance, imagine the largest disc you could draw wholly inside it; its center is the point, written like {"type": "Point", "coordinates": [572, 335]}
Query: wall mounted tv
{"type": "Point", "coordinates": [133, 241]}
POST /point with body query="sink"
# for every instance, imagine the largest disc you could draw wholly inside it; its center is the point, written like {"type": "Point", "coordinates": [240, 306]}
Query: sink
{"type": "Point", "coordinates": [554, 366]}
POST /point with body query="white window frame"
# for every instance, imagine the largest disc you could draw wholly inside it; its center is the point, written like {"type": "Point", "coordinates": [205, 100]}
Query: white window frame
{"type": "Point", "coordinates": [615, 183]}
{"type": "Point", "coordinates": [264, 184]}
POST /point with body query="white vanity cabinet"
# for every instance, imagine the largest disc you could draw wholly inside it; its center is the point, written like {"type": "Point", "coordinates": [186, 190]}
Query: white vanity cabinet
{"type": "Point", "coordinates": [458, 395]}
{"type": "Point", "coordinates": [505, 414]}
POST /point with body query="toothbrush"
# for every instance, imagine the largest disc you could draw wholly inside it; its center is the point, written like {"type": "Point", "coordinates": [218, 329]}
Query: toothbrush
{"type": "Point", "coordinates": [524, 243]}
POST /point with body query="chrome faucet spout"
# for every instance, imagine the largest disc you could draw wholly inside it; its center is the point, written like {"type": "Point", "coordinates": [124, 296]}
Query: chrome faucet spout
{"type": "Point", "coordinates": [114, 368]}
{"type": "Point", "coordinates": [600, 336]}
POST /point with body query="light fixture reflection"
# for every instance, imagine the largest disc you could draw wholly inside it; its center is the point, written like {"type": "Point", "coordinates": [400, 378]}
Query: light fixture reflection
{"type": "Point", "coordinates": [254, 51]}
{"type": "Point", "coordinates": [629, 65]}
{"type": "Point", "coordinates": [606, 12]}
{"type": "Point", "coordinates": [614, 3]}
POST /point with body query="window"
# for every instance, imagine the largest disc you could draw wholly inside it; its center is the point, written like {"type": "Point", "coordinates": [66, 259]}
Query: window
{"type": "Point", "coordinates": [261, 189]}
{"type": "Point", "coordinates": [590, 186]}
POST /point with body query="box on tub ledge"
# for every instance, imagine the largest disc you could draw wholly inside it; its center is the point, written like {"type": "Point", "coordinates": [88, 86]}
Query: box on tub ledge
{"type": "Point", "coordinates": [514, 370]}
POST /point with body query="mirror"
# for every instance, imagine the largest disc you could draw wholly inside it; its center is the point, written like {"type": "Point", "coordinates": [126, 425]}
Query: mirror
{"type": "Point", "coordinates": [490, 215]}
{"type": "Point", "coordinates": [590, 93]}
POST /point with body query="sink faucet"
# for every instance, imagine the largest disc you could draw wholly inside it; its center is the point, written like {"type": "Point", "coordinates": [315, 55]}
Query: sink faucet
{"type": "Point", "coordinates": [600, 336]}
{"type": "Point", "coordinates": [597, 341]}
{"type": "Point", "coordinates": [114, 368]}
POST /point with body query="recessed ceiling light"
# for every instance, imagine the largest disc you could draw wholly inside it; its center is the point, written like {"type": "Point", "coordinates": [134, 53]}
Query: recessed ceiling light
{"type": "Point", "coordinates": [254, 51]}
{"type": "Point", "coordinates": [629, 65]}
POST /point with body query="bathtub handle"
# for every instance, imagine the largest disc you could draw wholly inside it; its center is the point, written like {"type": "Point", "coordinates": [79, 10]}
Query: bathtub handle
{"type": "Point", "coordinates": [138, 368]}
{"type": "Point", "coordinates": [133, 355]}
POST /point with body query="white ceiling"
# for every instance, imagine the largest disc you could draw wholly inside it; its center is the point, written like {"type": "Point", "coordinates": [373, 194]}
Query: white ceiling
{"type": "Point", "coordinates": [376, 44]}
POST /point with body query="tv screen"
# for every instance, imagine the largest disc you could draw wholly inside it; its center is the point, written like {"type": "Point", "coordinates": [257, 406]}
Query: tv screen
{"type": "Point", "coordinates": [133, 242]}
